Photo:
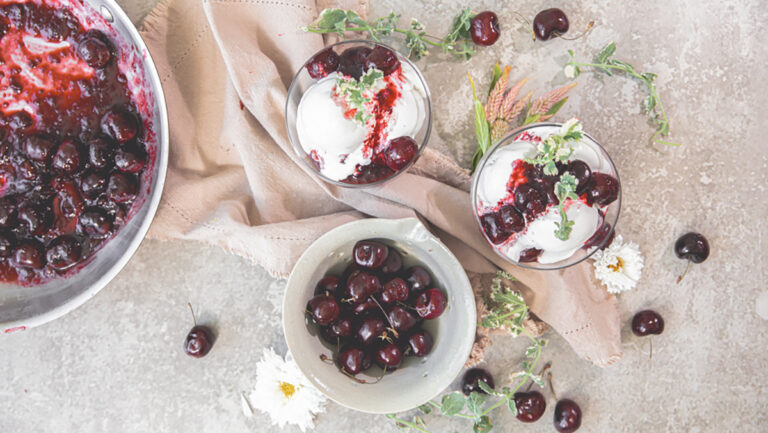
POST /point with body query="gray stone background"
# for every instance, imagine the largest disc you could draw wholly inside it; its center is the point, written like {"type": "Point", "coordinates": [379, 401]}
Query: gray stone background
{"type": "Point", "coordinates": [115, 364]}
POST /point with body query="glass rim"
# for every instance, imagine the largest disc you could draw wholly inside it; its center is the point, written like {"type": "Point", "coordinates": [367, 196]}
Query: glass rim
{"type": "Point", "coordinates": [297, 146]}
{"type": "Point", "coordinates": [510, 137]}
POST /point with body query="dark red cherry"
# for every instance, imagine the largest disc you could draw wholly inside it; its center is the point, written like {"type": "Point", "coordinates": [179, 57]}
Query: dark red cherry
{"type": "Point", "coordinates": [371, 330]}
{"type": "Point", "coordinates": [94, 223]}
{"type": "Point", "coordinates": [382, 59]}
{"type": "Point", "coordinates": [94, 51]}
{"type": "Point", "coordinates": [370, 254]}
{"type": "Point", "coordinates": [325, 309]}
{"type": "Point", "coordinates": [472, 377]}
{"type": "Point", "coordinates": [130, 159]}
{"type": "Point", "coordinates": [352, 61]}
{"type": "Point", "coordinates": [484, 28]}
{"type": "Point", "coordinates": [35, 218]}
{"type": "Point", "coordinates": [493, 227]}
{"type": "Point", "coordinates": [394, 290]}
{"type": "Point", "coordinates": [367, 306]}
{"type": "Point", "coordinates": [361, 285]}
{"type": "Point", "coordinates": [512, 220]}
{"type": "Point", "coordinates": [430, 304]}
{"type": "Point", "coordinates": [121, 125]}
{"type": "Point", "coordinates": [529, 255]}
{"type": "Point", "coordinates": [122, 187]}
{"type": "Point", "coordinates": [583, 174]}
{"type": "Point", "coordinates": [550, 22]}
{"type": "Point", "coordinates": [353, 360]}
{"type": "Point", "coordinates": [400, 152]}
{"type": "Point", "coordinates": [388, 356]}
{"type": "Point", "coordinates": [530, 405]}
{"type": "Point", "coordinates": [7, 244]}
{"type": "Point", "coordinates": [604, 189]}
{"type": "Point", "coordinates": [99, 153]}
{"type": "Point", "coordinates": [394, 262]}
{"type": "Point", "coordinates": [369, 174]}
{"type": "Point", "coordinates": [342, 327]}
{"type": "Point", "coordinates": [418, 278]}
{"type": "Point", "coordinates": [528, 201]}
{"type": "Point", "coordinates": [28, 254]}
{"type": "Point", "coordinates": [421, 343]}
{"type": "Point", "coordinates": [546, 188]}
{"type": "Point", "coordinates": [401, 319]}
{"type": "Point", "coordinates": [692, 246]}
{"type": "Point", "coordinates": [93, 184]}
{"type": "Point", "coordinates": [198, 342]}
{"type": "Point", "coordinates": [567, 416]}
{"type": "Point", "coordinates": [7, 213]}
{"type": "Point", "coordinates": [647, 322]}
{"type": "Point", "coordinates": [38, 149]}
{"type": "Point", "coordinates": [602, 237]}
{"type": "Point", "coordinates": [63, 253]}
{"type": "Point", "coordinates": [328, 285]}
{"type": "Point", "coordinates": [67, 157]}
{"type": "Point", "coordinates": [323, 63]}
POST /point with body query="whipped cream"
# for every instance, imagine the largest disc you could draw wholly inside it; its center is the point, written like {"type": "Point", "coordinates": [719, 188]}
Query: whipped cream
{"type": "Point", "coordinates": [340, 145]}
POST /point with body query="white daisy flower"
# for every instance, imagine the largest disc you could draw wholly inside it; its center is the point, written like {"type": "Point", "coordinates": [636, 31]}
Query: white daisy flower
{"type": "Point", "coordinates": [619, 266]}
{"type": "Point", "coordinates": [284, 393]}
{"type": "Point", "coordinates": [570, 71]}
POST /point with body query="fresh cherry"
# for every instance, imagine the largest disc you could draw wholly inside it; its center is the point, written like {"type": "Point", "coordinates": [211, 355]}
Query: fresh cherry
{"type": "Point", "coordinates": [323, 63]}
{"type": "Point", "coordinates": [647, 322]}
{"type": "Point", "coordinates": [528, 201]}
{"type": "Point", "coordinates": [370, 330]}
{"type": "Point", "coordinates": [394, 290]}
{"type": "Point", "coordinates": [370, 254]}
{"type": "Point", "coordinates": [493, 227]}
{"type": "Point", "coordinates": [394, 262]}
{"type": "Point", "coordinates": [430, 304]}
{"type": "Point", "coordinates": [342, 327]}
{"type": "Point", "coordinates": [67, 157]}
{"type": "Point", "coordinates": [199, 339]}
{"type": "Point", "coordinates": [421, 343]}
{"type": "Point", "coordinates": [567, 416]}
{"type": "Point", "coordinates": [353, 360]}
{"type": "Point", "coordinates": [529, 255]}
{"type": "Point", "coordinates": [401, 319]}
{"type": "Point", "coordinates": [512, 220]}
{"type": "Point", "coordinates": [418, 278]}
{"type": "Point", "coordinates": [530, 405]}
{"type": "Point", "coordinates": [484, 28]}
{"type": "Point", "coordinates": [28, 254]}
{"type": "Point", "coordinates": [388, 356]}
{"type": "Point", "coordinates": [365, 307]}
{"type": "Point", "coordinates": [325, 309]}
{"type": "Point", "coordinates": [604, 189]}
{"type": "Point", "coordinates": [328, 285]}
{"type": "Point", "coordinates": [352, 61]}
{"type": "Point", "coordinates": [120, 125]}
{"type": "Point", "coordinates": [400, 152]}
{"type": "Point", "coordinates": [382, 59]}
{"type": "Point", "coordinates": [693, 247]}
{"type": "Point", "coordinates": [469, 383]}
{"type": "Point", "coordinates": [361, 285]}
{"type": "Point", "coordinates": [63, 253]}
{"type": "Point", "coordinates": [550, 22]}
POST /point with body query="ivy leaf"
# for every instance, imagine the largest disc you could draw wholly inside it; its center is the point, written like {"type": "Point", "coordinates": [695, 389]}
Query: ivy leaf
{"type": "Point", "coordinates": [483, 425]}
{"type": "Point", "coordinates": [475, 403]}
{"type": "Point", "coordinates": [452, 403]}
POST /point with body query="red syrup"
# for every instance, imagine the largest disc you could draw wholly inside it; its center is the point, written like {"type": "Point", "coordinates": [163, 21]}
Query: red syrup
{"type": "Point", "coordinates": [73, 146]}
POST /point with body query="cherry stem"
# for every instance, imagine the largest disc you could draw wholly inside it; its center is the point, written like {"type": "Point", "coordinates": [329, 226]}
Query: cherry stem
{"type": "Point", "coordinates": [680, 278]}
{"type": "Point", "coordinates": [325, 358]}
{"type": "Point", "coordinates": [650, 356]}
{"type": "Point", "coordinates": [194, 320]}
{"type": "Point", "coordinates": [541, 374]}
{"type": "Point", "coordinates": [551, 387]}
{"type": "Point", "coordinates": [584, 33]}
{"type": "Point", "coordinates": [392, 326]}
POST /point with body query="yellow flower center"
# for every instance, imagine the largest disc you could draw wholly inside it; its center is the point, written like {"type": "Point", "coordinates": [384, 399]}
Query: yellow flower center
{"type": "Point", "coordinates": [618, 266]}
{"type": "Point", "coordinates": [287, 389]}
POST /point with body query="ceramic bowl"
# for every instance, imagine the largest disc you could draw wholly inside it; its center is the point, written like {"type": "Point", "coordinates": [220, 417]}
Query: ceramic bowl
{"type": "Point", "coordinates": [418, 379]}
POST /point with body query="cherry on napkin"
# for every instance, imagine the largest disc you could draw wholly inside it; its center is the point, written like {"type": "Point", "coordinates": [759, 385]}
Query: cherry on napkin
{"type": "Point", "coordinates": [234, 180]}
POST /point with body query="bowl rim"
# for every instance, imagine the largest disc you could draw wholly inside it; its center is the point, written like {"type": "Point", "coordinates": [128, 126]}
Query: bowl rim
{"type": "Point", "coordinates": [153, 200]}
{"type": "Point", "coordinates": [296, 145]}
{"type": "Point", "coordinates": [509, 138]}
{"type": "Point", "coordinates": [393, 226]}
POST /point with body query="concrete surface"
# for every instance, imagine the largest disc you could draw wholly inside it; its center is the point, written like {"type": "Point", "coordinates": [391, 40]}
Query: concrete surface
{"type": "Point", "coordinates": [116, 363]}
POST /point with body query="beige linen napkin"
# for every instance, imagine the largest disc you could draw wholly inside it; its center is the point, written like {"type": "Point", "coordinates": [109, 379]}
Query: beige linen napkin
{"type": "Point", "coordinates": [235, 181]}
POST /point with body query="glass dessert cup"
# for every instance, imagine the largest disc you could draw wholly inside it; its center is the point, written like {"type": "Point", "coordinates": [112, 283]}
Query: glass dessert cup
{"type": "Point", "coordinates": [342, 148]}
{"type": "Point", "coordinates": [501, 173]}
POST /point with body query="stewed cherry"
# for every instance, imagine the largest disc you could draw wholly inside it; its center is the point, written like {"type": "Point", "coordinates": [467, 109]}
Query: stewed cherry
{"type": "Point", "coordinates": [512, 221]}
{"type": "Point", "coordinates": [400, 152]}
{"type": "Point", "coordinates": [382, 59]}
{"type": "Point", "coordinates": [121, 125]}
{"type": "Point", "coordinates": [63, 253]}
{"type": "Point", "coordinates": [484, 28]}
{"type": "Point", "coordinates": [529, 201]}
{"type": "Point", "coordinates": [603, 190]}
{"type": "Point", "coordinates": [352, 61]}
{"type": "Point", "coordinates": [529, 255]}
{"type": "Point", "coordinates": [323, 63]}
{"type": "Point", "coordinates": [67, 158]}
{"type": "Point", "coordinates": [95, 51]}
{"type": "Point", "coordinates": [469, 383]}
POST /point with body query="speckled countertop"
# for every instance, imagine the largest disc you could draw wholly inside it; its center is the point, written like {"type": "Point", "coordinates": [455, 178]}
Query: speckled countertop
{"type": "Point", "coordinates": [116, 365]}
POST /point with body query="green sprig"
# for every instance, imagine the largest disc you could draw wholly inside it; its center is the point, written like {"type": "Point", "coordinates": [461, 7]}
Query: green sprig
{"type": "Point", "coordinates": [357, 92]}
{"type": "Point", "coordinates": [565, 188]}
{"type": "Point", "coordinates": [457, 42]}
{"type": "Point", "coordinates": [605, 63]}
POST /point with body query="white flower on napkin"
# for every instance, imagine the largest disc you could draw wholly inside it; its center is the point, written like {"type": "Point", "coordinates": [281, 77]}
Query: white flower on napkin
{"type": "Point", "coordinates": [619, 266]}
{"type": "Point", "coordinates": [284, 393]}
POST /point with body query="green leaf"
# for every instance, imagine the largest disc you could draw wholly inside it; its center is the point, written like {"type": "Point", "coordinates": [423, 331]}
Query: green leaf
{"type": "Point", "coordinates": [354, 18]}
{"type": "Point", "coordinates": [460, 26]}
{"type": "Point", "coordinates": [512, 406]}
{"type": "Point", "coordinates": [531, 119]}
{"type": "Point", "coordinates": [452, 403]}
{"type": "Point", "coordinates": [482, 129]}
{"type": "Point", "coordinates": [483, 425]}
{"type": "Point", "coordinates": [649, 76]}
{"type": "Point", "coordinates": [496, 74]}
{"type": "Point", "coordinates": [331, 18]}
{"type": "Point", "coordinates": [426, 409]}
{"type": "Point", "coordinates": [555, 108]}
{"type": "Point", "coordinates": [649, 104]}
{"type": "Point", "coordinates": [485, 387]}
{"type": "Point", "coordinates": [606, 53]}
{"type": "Point", "coordinates": [475, 402]}
{"type": "Point", "coordinates": [538, 380]}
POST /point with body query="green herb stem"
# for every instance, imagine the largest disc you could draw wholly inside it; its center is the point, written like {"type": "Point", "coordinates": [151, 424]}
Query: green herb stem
{"type": "Point", "coordinates": [407, 423]}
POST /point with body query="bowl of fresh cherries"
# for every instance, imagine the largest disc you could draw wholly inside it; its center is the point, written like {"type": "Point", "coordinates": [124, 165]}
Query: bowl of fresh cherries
{"type": "Point", "coordinates": [379, 315]}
